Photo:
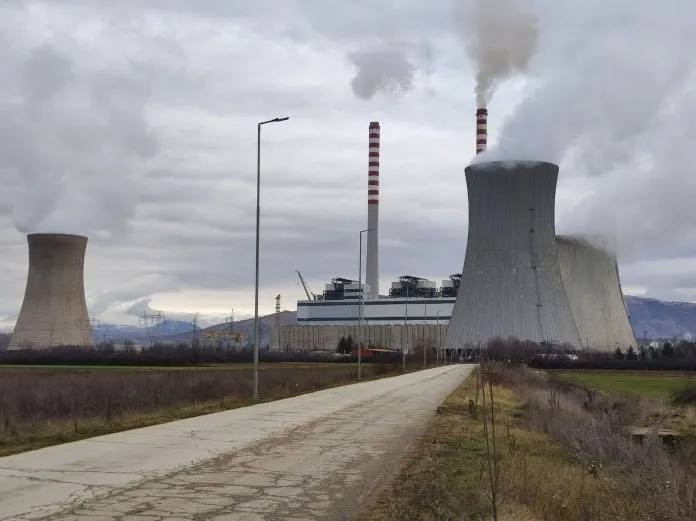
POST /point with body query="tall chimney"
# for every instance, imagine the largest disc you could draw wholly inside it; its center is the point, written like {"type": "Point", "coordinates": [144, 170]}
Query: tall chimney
{"type": "Point", "coordinates": [372, 267]}
{"type": "Point", "coordinates": [54, 311]}
{"type": "Point", "coordinates": [481, 130]}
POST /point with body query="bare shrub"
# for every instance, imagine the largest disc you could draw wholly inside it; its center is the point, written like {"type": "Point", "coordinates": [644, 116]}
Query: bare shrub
{"type": "Point", "coordinates": [32, 400]}
{"type": "Point", "coordinates": [597, 428]}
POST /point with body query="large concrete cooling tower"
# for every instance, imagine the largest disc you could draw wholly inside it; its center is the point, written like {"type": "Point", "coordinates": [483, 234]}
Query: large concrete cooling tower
{"type": "Point", "coordinates": [511, 283]}
{"type": "Point", "coordinates": [54, 311]}
{"type": "Point", "coordinates": [591, 278]}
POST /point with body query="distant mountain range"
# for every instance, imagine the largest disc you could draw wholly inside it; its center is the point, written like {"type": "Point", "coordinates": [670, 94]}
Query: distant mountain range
{"type": "Point", "coordinates": [180, 331]}
{"type": "Point", "coordinates": [653, 318]}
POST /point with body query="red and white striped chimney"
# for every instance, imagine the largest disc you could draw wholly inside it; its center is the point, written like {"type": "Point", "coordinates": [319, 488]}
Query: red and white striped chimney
{"type": "Point", "coordinates": [481, 130]}
{"type": "Point", "coordinates": [372, 260]}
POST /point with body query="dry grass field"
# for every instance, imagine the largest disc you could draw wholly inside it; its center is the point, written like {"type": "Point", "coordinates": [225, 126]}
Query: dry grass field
{"type": "Point", "coordinates": [42, 406]}
{"type": "Point", "coordinates": [542, 453]}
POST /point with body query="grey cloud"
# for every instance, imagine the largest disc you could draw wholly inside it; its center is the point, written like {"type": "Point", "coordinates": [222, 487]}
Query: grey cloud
{"type": "Point", "coordinates": [207, 74]}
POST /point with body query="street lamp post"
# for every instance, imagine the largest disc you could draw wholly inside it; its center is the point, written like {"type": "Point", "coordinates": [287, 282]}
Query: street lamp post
{"type": "Point", "coordinates": [360, 303]}
{"type": "Point", "coordinates": [425, 328]}
{"type": "Point", "coordinates": [439, 339]}
{"type": "Point", "coordinates": [403, 346]}
{"type": "Point", "coordinates": [256, 284]}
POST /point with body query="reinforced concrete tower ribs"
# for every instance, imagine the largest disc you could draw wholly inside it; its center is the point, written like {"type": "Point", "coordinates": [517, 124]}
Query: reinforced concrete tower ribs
{"type": "Point", "coordinates": [511, 282]}
{"type": "Point", "coordinates": [54, 310]}
{"type": "Point", "coordinates": [372, 255]}
{"type": "Point", "coordinates": [591, 278]}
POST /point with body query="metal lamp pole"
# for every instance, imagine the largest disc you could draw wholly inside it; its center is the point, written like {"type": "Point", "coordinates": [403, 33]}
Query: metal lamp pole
{"type": "Point", "coordinates": [439, 339]}
{"type": "Point", "coordinates": [256, 285]}
{"type": "Point", "coordinates": [360, 303]}
{"type": "Point", "coordinates": [403, 354]}
{"type": "Point", "coordinates": [425, 328]}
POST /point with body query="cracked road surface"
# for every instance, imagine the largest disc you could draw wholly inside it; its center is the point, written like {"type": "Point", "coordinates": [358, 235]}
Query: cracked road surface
{"type": "Point", "coordinates": [318, 456]}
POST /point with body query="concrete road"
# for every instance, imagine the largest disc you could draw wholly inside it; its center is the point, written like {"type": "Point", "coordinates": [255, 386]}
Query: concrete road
{"type": "Point", "coordinates": [319, 456]}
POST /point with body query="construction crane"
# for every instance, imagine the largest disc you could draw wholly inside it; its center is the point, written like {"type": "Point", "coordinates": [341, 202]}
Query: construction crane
{"type": "Point", "coordinates": [308, 292]}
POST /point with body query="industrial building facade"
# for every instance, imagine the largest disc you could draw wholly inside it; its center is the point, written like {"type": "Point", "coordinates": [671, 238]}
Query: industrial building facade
{"type": "Point", "coordinates": [375, 311]}
{"type": "Point", "coordinates": [326, 338]}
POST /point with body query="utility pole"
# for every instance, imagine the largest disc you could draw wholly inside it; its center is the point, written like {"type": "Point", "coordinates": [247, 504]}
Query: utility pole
{"type": "Point", "coordinates": [152, 321]}
{"type": "Point", "coordinates": [277, 310]}
{"type": "Point", "coordinates": [229, 322]}
{"type": "Point", "coordinates": [194, 331]}
{"type": "Point", "coordinates": [93, 323]}
{"type": "Point", "coordinates": [277, 320]}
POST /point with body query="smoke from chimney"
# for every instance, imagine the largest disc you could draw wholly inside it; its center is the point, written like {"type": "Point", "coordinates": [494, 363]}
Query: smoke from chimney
{"type": "Point", "coordinates": [389, 68]}
{"type": "Point", "coordinates": [500, 38]}
{"type": "Point", "coordinates": [75, 140]}
{"type": "Point", "coordinates": [372, 261]}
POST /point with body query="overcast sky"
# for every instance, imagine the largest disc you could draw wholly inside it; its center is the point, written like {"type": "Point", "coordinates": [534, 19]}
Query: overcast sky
{"type": "Point", "coordinates": [134, 122]}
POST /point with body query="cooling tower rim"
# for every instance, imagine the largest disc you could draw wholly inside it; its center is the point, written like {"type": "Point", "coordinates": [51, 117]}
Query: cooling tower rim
{"type": "Point", "coordinates": [510, 164]}
{"type": "Point", "coordinates": [597, 241]}
{"type": "Point", "coordinates": [56, 235]}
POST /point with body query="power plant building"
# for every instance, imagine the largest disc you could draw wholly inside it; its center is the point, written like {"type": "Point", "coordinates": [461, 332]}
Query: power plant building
{"type": "Point", "coordinates": [519, 280]}
{"type": "Point", "coordinates": [411, 300]}
{"type": "Point", "coordinates": [54, 310]}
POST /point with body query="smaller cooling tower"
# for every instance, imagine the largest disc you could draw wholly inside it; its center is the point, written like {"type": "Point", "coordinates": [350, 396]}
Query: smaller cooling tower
{"type": "Point", "coordinates": [591, 278]}
{"type": "Point", "coordinates": [54, 311]}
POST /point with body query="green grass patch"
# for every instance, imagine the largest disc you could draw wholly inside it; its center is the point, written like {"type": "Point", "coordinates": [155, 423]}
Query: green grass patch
{"type": "Point", "coordinates": [659, 386]}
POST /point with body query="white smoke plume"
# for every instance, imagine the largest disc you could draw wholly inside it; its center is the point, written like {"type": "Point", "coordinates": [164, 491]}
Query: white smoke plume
{"type": "Point", "coordinates": [74, 140]}
{"type": "Point", "coordinates": [603, 75]}
{"type": "Point", "coordinates": [611, 94]}
{"type": "Point", "coordinates": [388, 69]}
{"type": "Point", "coordinates": [500, 38]}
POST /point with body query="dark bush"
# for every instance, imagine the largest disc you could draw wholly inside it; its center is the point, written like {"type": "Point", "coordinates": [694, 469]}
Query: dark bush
{"type": "Point", "coordinates": [170, 355]}
{"type": "Point", "coordinates": [686, 395]}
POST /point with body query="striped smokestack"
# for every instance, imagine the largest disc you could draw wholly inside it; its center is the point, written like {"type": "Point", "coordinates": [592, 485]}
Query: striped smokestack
{"type": "Point", "coordinates": [372, 262]}
{"type": "Point", "coordinates": [481, 130]}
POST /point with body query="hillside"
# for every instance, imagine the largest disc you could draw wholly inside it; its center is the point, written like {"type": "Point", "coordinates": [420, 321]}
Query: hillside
{"type": "Point", "coordinates": [266, 323]}
{"type": "Point", "coordinates": [661, 319]}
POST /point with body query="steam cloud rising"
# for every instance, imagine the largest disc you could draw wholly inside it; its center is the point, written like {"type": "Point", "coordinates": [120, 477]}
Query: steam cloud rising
{"type": "Point", "coordinates": [389, 69]}
{"type": "Point", "coordinates": [500, 38]}
{"type": "Point", "coordinates": [603, 81]}
{"type": "Point", "coordinates": [611, 94]}
{"type": "Point", "coordinates": [74, 141]}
